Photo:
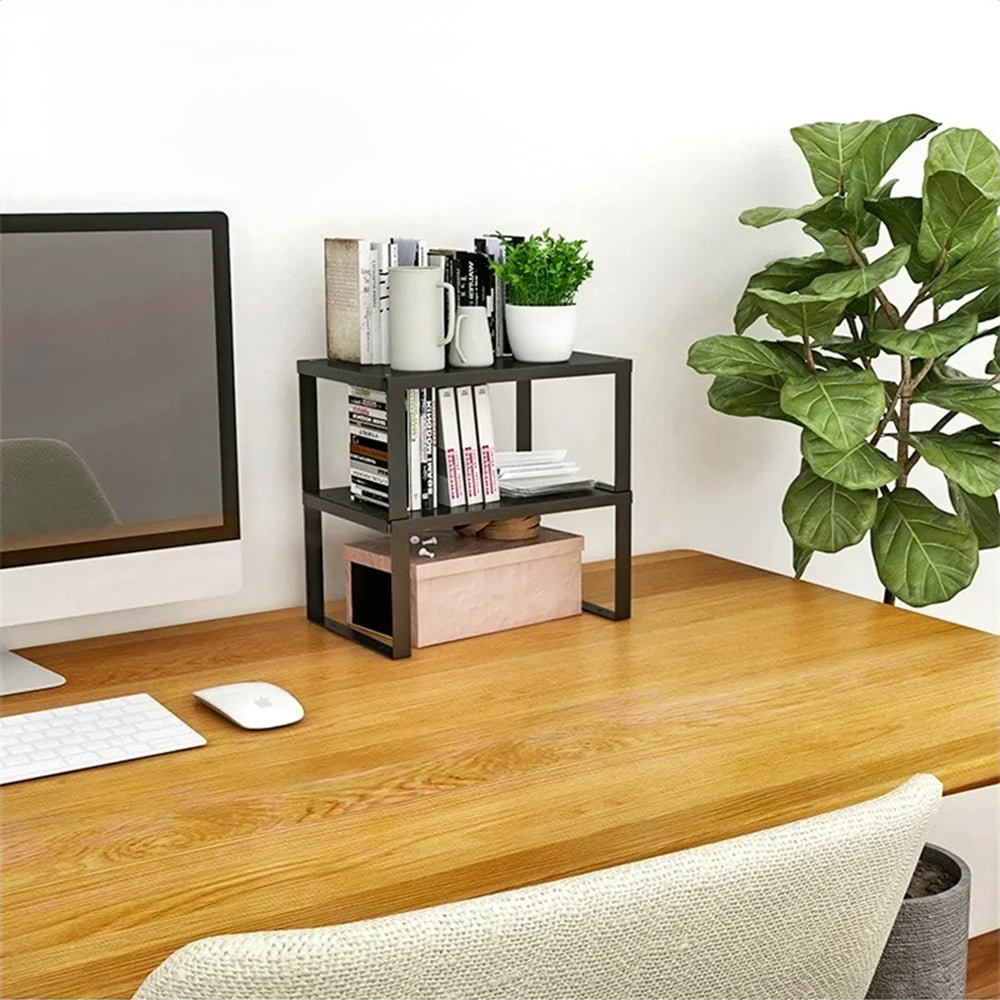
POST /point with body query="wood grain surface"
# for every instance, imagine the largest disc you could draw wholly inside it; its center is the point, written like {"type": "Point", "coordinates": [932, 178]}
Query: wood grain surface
{"type": "Point", "coordinates": [983, 980]}
{"type": "Point", "coordinates": [733, 700]}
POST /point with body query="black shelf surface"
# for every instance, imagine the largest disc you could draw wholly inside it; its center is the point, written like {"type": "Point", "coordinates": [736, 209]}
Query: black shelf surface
{"type": "Point", "coordinates": [338, 501]}
{"type": "Point", "coordinates": [502, 370]}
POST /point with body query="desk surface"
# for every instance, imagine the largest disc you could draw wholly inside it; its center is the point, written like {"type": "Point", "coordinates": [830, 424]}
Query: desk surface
{"type": "Point", "coordinates": [733, 700]}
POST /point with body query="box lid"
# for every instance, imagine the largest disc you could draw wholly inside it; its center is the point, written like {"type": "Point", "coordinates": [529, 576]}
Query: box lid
{"type": "Point", "coordinates": [457, 554]}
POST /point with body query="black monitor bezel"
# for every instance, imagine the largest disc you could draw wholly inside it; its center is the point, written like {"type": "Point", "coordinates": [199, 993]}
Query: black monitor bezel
{"type": "Point", "coordinates": [217, 223]}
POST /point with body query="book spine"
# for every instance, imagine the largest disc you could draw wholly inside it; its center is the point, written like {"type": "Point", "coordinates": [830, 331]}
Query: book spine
{"type": "Point", "coordinates": [421, 253]}
{"type": "Point", "coordinates": [451, 486]}
{"type": "Point", "coordinates": [434, 449]}
{"type": "Point", "coordinates": [365, 284]}
{"type": "Point", "coordinates": [368, 473]}
{"type": "Point", "coordinates": [426, 452]}
{"type": "Point", "coordinates": [487, 444]}
{"type": "Point", "coordinates": [367, 397]}
{"type": "Point", "coordinates": [413, 447]}
{"type": "Point", "coordinates": [362, 434]}
{"type": "Point", "coordinates": [366, 415]}
{"type": "Point", "coordinates": [343, 300]}
{"type": "Point", "coordinates": [383, 303]}
{"type": "Point", "coordinates": [470, 444]}
{"type": "Point", "coordinates": [364, 495]}
{"type": "Point", "coordinates": [369, 456]}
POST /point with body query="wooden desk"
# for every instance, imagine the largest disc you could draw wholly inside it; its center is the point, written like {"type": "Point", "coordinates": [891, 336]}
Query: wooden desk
{"type": "Point", "coordinates": [733, 700]}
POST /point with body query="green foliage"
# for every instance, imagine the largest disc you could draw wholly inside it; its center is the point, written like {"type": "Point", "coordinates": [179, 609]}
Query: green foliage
{"type": "Point", "coordinates": [544, 270]}
{"type": "Point", "coordinates": [859, 434]}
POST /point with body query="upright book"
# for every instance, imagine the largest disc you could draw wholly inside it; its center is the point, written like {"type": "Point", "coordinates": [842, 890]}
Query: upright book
{"type": "Point", "coordinates": [451, 483]}
{"type": "Point", "coordinates": [471, 465]}
{"type": "Point", "coordinates": [487, 443]}
{"type": "Point", "coordinates": [349, 299]}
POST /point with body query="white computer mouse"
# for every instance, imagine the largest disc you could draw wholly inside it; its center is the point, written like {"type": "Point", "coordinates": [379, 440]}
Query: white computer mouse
{"type": "Point", "coordinates": [253, 704]}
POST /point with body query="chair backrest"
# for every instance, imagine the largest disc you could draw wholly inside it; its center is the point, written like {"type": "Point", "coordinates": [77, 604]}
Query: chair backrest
{"type": "Point", "coordinates": [47, 488]}
{"type": "Point", "coordinates": [802, 910]}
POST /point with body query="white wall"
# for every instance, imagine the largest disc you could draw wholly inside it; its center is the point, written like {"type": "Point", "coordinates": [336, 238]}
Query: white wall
{"type": "Point", "coordinates": [645, 128]}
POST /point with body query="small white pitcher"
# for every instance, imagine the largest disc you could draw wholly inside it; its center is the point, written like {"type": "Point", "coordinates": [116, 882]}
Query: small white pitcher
{"type": "Point", "coordinates": [472, 346]}
{"type": "Point", "coordinates": [417, 336]}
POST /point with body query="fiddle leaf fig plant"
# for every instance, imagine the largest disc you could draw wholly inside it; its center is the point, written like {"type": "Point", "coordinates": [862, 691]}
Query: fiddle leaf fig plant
{"type": "Point", "coordinates": [871, 380]}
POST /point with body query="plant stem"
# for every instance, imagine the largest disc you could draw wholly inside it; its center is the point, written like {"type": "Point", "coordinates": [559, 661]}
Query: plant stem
{"type": "Point", "coordinates": [853, 327]}
{"type": "Point", "coordinates": [887, 307]}
{"type": "Point", "coordinates": [905, 391]}
{"type": "Point", "coordinates": [922, 374]}
{"type": "Point", "coordinates": [810, 360]}
{"type": "Point", "coordinates": [890, 413]}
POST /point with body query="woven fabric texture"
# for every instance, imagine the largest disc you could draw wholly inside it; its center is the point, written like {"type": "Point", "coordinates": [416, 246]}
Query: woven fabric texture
{"type": "Point", "coordinates": [801, 910]}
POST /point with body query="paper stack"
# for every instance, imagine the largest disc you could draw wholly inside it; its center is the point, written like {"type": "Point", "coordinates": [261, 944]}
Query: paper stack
{"type": "Point", "coordinates": [538, 473]}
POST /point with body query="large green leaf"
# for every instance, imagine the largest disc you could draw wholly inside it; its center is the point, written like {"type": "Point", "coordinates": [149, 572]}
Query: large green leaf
{"type": "Point", "coordinates": [986, 305]}
{"type": "Point", "coordinates": [849, 348]}
{"type": "Point", "coordinates": [842, 407]}
{"type": "Point", "coordinates": [974, 397]}
{"type": "Point", "coordinates": [980, 513]}
{"type": "Point", "coordinates": [749, 396]}
{"type": "Point", "coordinates": [902, 218]}
{"type": "Point", "coordinates": [923, 555]}
{"type": "Point", "coordinates": [797, 314]}
{"type": "Point", "coordinates": [825, 517]}
{"type": "Point", "coordinates": [977, 269]}
{"type": "Point", "coordinates": [833, 243]}
{"type": "Point", "coordinates": [880, 149]}
{"type": "Point", "coordinates": [932, 341]}
{"type": "Point", "coordinates": [730, 355]}
{"type": "Point", "coordinates": [829, 148]}
{"type": "Point", "coordinates": [859, 468]}
{"type": "Point", "coordinates": [966, 459]}
{"type": "Point", "coordinates": [857, 281]}
{"type": "Point", "coordinates": [829, 212]}
{"type": "Point", "coordinates": [956, 216]}
{"type": "Point", "coordinates": [787, 275]}
{"type": "Point", "coordinates": [966, 151]}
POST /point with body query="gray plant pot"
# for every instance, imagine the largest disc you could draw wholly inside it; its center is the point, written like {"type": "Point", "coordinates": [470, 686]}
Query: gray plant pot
{"type": "Point", "coordinates": [927, 950]}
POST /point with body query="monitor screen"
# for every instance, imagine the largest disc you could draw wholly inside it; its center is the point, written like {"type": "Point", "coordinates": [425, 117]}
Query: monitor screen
{"type": "Point", "coordinates": [116, 397]}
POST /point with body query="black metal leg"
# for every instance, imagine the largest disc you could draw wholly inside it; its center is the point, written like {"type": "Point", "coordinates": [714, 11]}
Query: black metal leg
{"type": "Point", "coordinates": [623, 561]}
{"type": "Point", "coordinates": [523, 416]}
{"type": "Point", "coordinates": [399, 548]}
{"type": "Point", "coordinates": [312, 520]}
{"type": "Point", "coordinates": [623, 428]}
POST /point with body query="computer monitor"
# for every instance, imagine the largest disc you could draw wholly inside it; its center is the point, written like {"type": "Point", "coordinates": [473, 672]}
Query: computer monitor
{"type": "Point", "coordinates": [118, 472]}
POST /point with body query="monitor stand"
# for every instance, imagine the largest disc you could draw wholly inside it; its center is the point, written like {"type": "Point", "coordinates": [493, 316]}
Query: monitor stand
{"type": "Point", "coordinates": [18, 675]}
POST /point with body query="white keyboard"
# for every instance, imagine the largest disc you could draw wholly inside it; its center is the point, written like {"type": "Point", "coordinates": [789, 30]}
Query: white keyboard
{"type": "Point", "coordinates": [37, 744]}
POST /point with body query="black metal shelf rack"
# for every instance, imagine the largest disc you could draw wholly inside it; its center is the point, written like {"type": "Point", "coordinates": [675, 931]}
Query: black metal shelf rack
{"type": "Point", "coordinates": [399, 522]}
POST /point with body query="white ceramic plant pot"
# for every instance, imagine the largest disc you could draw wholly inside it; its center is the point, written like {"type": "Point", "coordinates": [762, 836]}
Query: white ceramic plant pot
{"type": "Point", "coordinates": [541, 333]}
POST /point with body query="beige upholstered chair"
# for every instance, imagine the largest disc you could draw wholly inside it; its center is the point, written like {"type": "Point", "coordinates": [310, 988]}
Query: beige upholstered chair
{"type": "Point", "coordinates": [801, 910]}
{"type": "Point", "coordinates": [45, 486]}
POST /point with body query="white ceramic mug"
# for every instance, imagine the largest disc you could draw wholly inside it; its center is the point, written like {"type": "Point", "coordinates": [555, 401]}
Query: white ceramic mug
{"type": "Point", "coordinates": [472, 346]}
{"type": "Point", "coordinates": [417, 335]}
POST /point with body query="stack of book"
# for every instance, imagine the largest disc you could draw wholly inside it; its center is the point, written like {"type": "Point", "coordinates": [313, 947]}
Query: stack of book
{"type": "Point", "coordinates": [539, 473]}
{"type": "Point", "coordinates": [451, 451]}
{"type": "Point", "coordinates": [368, 445]}
{"type": "Point", "coordinates": [357, 290]}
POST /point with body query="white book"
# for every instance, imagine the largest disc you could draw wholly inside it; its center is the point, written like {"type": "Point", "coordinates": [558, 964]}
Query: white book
{"type": "Point", "coordinates": [413, 446]}
{"type": "Point", "coordinates": [372, 433]}
{"type": "Point", "coordinates": [369, 473]}
{"type": "Point", "coordinates": [509, 459]}
{"type": "Point", "coordinates": [421, 253]}
{"type": "Point", "coordinates": [376, 305]}
{"type": "Point", "coordinates": [451, 484]}
{"type": "Point", "coordinates": [487, 443]}
{"type": "Point", "coordinates": [345, 265]}
{"type": "Point", "coordinates": [539, 471]}
{"type": "Point", "coordinates": [366, 279]}
{"type": "Point", "coordinates": [376, 396]}
{"type": "Point", "coordinates": [471, 466]}
{"type": "Point", "coordinates": [383, 302]}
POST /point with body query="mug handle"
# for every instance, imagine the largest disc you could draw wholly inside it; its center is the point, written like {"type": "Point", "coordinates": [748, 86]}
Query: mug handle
{"type": "Point", "coordinates": [459, 321]}
{"type": "Point", "coordinates": [449, 291]}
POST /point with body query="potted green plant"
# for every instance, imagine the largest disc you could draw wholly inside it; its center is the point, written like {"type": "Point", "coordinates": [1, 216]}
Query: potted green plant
{"type": "Point", "coordinates": [874, 385]}
{"type": "Point", "coordinates": [541, 276]}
